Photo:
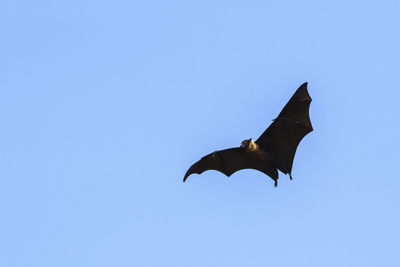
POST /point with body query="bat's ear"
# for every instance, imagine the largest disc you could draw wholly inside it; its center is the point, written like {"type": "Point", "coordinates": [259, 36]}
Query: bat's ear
{"type": "Point", "coordinates": [250, 139]}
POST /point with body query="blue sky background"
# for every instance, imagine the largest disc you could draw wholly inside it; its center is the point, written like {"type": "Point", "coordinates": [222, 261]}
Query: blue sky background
{"type": "Point", "coordinates": [105, 104]}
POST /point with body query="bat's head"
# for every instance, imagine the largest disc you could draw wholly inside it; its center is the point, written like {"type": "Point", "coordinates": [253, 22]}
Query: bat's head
{"type": "Point", "coordinates": [245, 143]}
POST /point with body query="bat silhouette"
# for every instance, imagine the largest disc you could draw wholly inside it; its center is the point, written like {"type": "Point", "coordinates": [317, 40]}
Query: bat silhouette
{"type": "Point", "coordinates": [274, 150]}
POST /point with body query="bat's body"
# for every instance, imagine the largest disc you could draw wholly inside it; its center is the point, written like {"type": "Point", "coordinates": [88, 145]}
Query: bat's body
{"type": "Point", "coordinates": [251, 147]}
{"type": "Point", "coordinates": [274, 150]}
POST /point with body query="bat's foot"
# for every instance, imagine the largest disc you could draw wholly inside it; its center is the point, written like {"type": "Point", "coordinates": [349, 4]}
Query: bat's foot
{"type": "Point", "coordinates": [290, 176]}
{"type": "Point", "coordinates": [276, 183]}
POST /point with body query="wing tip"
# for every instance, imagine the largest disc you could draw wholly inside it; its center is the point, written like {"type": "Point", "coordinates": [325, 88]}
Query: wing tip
{"type": "Point", "coordinates": [188, 173]}
{"type": "Point", "coordinates": [302, 94]}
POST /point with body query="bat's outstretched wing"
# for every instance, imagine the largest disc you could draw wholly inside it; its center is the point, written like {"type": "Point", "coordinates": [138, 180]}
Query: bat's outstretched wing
{"type": "Point", "coordinates": [232, 160]}
{"type": "Point", "coordinates": [284, 135]}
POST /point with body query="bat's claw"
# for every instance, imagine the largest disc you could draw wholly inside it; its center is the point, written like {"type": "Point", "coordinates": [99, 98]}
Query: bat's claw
{"type": "Point", "coordinates": [276, 183]}
{"type": "Point", "coordinates": [290, 176]}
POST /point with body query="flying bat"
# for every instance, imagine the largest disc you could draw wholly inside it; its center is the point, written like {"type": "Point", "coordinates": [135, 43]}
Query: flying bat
{"type": "Point", "coordinates": [274, 150]}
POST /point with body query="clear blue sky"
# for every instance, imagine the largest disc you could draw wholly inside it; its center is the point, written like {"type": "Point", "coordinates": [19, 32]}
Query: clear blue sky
{"type": "Point", "coordinates": [105, 104]}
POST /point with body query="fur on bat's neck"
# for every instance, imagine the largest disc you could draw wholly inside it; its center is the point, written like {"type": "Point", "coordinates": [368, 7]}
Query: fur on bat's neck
{"type": "Point", "coordinates": [252, 147]}
{"type": "Point", "coordinates": [249, 145]}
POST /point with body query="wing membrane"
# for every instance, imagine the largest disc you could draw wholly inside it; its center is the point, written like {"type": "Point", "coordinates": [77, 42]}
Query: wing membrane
{"type": "Point", "coordinates": [283, 136]}
{"type": "Point", "coordinates": [231, 160]}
